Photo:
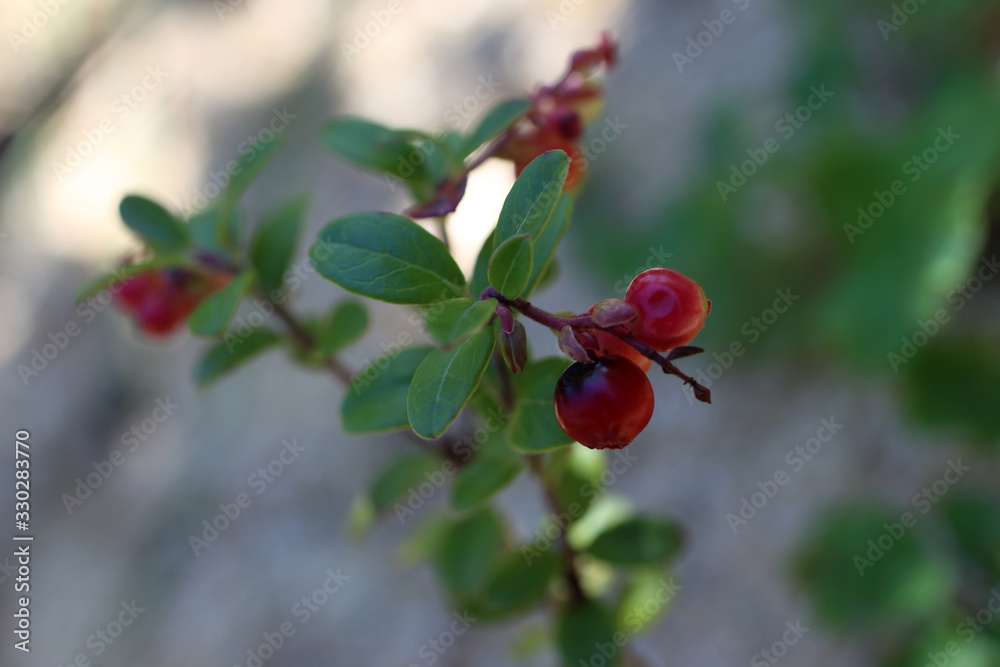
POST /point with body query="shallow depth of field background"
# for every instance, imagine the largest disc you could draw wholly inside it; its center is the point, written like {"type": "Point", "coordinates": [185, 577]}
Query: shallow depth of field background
{"type": "Point", "coordinates": [160, 96]}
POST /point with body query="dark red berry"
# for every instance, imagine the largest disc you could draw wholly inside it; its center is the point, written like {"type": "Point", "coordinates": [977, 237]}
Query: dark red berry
{"type": "Point", "coordinates": [604, 404]}
{"type": "Point", "coordinates": [671, 308]}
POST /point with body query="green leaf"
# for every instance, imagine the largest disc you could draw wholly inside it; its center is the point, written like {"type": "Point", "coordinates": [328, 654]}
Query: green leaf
{"type": "Point", "coordinates": [468, 551]}
{"type": "Point", "coordinates": [587, 631]}
{"type": "Point", "coordinates": [212, 315]}
{"type": "Point", "coordinates": [387, 257]}
{"type": "Point", "coordinates": [639, 541]}
{"type": "Point", "coordinates": [155, 224]}
{"type": "Point", "coordinates": [274, 244]}
{"type": "Point", "coordinates": [575, 476]}
{"type": "Point", "coordinates": [482, 479]}
{"type": "Point", "coordinates": [444, 383]}
{"type": "Point", "coordinates": [345, 325]}
{"type": "Point", "coordinates": [498, 120]}
{"type": "Point", "coordinates": [227, 354]}
{"type": "Point", "coordinates": [516, 584]}
{"type": "Point", "coordinates": [955, 383]}
{"type": "Point", "coordinates": [480, 280]}
{"type": "Point", "coordinates": [395, 481]}
{"type": "Point", "coordinates": [510, 266]}
{"type": "Point", "coordinates": [533, 197]}
{"type": "Point", "coordinates": [247, 169]}
{"type": "Point", "coordinates": [854, 582]}
{"type": "Point", "coordinates": [376, 401]}
{"type": "Point", "coordinates": [366, 144]}
{"type": "Point", "coordinates": [533, 427]}
{"type": "Point", "coordinates": [545, 243]}
{"type": "Point", "coordinates": [647, 596]}
{"type": "Point", "coordinates": [453, 319]}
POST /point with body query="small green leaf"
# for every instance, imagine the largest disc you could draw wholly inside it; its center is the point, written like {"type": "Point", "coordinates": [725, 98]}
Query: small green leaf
{"type": "Point", "coordinates": [345, 325]}
{"type": "Point", "coordinates": [395, 481]}
{"type": "Point", "coordinates": [444, 384]}
{"type": "Point", "coordinates": [387, 257]}
{"type": "Point", "coordinates": [468, 551]}
{"type": "Point", "coordinates": [534, 428]}
{"type": "Point", "coordinates": [482, 479]}
{"type": "Point", "coordinates": [453, 319]}
{"type": "Point", "coordinates": [545, 243]}
{"type": "Point", "coordinates": [274, 244]}
{"type": "Point", "coordinates": [212, 315]}
{"type": "Point", "coordinates": [227, 354]}
{"type": "Point", "coordinates": [243, 174]}
{"type": "Point", "coordinates": [587, 631]}
{"type": "Point", "coordinates": [646, 598]}
{"type": "Point", "coordinates": [638, 541]}
{"type": "Point", "coordinates": [533, 197]}
{"type": "Point", "coordinates": [376, 401]}
{"type": "Point", "coordinates": [516, 584]}
{"type": "Point", "coordinates": [510, 266]}
{"type": "Point", "coordinates": [498, 120]}
{"type": "Point", "coordinates": [155, 224]}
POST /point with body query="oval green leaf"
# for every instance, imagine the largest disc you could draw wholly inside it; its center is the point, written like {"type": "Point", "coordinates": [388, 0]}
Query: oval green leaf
{"type": "Point", "coordinates": [533, 427]}
{"type": "Point", "coordinates": [533, 197]}
{"type": "Point", "coordinates": [274, 243]}
{"type": "Point", "coordinates": [345, 325]}
{"type": "Point", "coordinates": [467, 552]}
{"type": "Point", "coordinates": [230, 352]}
{"type": "Point", "coordinates": [496, 121]}
{"type": "Point", "coordinates": [482, 479]}
{"type": "Point", "coordinates": [444, 383]}
{"type": "Point", "coordinates": [584, 633]}
{"type": "Point", "coordinates": [453, 319]}
{"type": "Point", "coordinates": [515, 583]}
{"type": "Point", "coordinates": [387, 257]}
{"type": "Point", "coordinates": [376, 401]}
{"type": "Point", "coordinates": [510, 266]}
{"type": "Point", "coordinates": [156, 225]}
{"type": "Point", "coordinates": [396, 480]}
{"type": "Point", "coordinates": [212, 315]}
{"type": "Point", "coordinates": [639, 541]}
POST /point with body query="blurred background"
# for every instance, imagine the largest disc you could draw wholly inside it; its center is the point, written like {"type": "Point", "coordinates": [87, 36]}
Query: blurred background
{"type": "Point", "coordinates": [827, 171]}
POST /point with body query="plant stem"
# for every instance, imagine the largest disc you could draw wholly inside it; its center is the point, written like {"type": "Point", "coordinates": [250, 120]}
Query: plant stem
{"type": "Point", "coordinates": [570, 571]}
{"type": "Point", "coordinates": [557, 323]}
{"type": "Point", "coordinates": [443, 227]}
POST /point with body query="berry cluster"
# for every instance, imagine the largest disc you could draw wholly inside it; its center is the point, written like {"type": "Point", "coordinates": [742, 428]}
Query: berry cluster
{"type": "Point", "coordinates": [605, 399]}
{"type": "Point", "coordinates": [559, 113]}
{"type": "Point", "coordinates": [160, 300]}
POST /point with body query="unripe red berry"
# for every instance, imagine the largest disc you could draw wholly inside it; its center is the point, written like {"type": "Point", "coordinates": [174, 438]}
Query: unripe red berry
{"type": "Point", "coordinates": [158, 313]}
{"type": "Point", "coordinates": [672, 308]}
{"type": "Point", "coordinates": [134, 288]}
{"type": "Point", "coordinates": [604, 404]}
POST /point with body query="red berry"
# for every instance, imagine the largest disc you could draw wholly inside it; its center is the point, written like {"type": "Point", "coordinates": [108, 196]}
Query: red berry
{"type": "Point", "coordinates": [605, 404]}
{"type": "Point", "coordinates": [158, 313]}
{"type": "Point", "coordinates": [672, 308]}
{"type": "Point", "coordinates": [611, 344]}
{"type": "Point", "coordinates": [134, 288]}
